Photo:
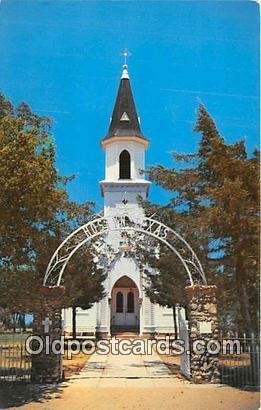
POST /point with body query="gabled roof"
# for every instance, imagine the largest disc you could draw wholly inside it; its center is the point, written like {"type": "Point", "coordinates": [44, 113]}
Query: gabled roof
{"type": "Point", "coordinates": [124, 121]}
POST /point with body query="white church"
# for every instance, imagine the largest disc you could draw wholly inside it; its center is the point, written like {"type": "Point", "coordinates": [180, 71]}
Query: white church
{"type": "Point", "coordinates": [125, 308]}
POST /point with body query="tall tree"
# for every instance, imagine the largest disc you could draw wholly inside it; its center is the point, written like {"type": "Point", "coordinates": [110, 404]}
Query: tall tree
{"type": "Point", "coordinates": [84, 283]}
{"type": "Point", "coordinates": [166, 282]}
{"type": "Point", "coordinates": [215, 207]}
{"type": "Point", "coordinates": [36, 213]}
{"type": "Point", "coordinates": [164, 278]}
{"type": "Point", "coordinates": [232, 187]}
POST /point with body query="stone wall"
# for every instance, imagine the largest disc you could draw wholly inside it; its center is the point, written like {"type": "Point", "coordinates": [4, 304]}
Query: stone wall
{"type": "Point", "coordinates": [203, 324]}
{"type": "Point", "coordinates": [47, 367]}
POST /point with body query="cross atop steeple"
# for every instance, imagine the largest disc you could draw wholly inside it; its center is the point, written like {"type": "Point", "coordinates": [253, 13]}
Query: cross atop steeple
{"type": "Point", "coordinates": [125, 73]}
{"type": "Point", "coordinates": [126, 54]}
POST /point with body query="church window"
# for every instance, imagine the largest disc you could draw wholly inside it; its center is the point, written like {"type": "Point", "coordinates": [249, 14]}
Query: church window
{"type": "Point", "coordinates": [124, 117]}
{"type": "Point", "coordinates": [125, 165]}
{"type": "Point", "coordinates": [130, 302]}
{"type": "Point", "coordinates": [119, 302]}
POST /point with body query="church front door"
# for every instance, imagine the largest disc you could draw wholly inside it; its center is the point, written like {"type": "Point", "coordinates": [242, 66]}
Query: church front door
{"type": "Point", "coordinates": [125, 308]}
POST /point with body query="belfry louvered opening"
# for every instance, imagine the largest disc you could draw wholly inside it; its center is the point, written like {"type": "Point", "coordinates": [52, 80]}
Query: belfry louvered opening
{"type": "Point", "coordinates": [125, 165]}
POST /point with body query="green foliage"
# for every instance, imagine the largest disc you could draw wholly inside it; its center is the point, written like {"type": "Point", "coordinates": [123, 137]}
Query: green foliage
{"type": "Point", "coordinates": [83, 280]}
{"type": "Point", "coordinates": [36, 214]}
{"type": "Point", "coordinates": [215, 207]}
{"type": "Point", "coordinates": [166, 282]}
{"type": "Point", "coordinates": [30, 195]}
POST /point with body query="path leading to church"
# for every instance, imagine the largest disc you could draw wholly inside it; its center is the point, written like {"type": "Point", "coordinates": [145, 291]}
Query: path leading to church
{"type": "Point", "coordinates": [117, 382]}
{"type": "Point", "coordinates": [120, 370]}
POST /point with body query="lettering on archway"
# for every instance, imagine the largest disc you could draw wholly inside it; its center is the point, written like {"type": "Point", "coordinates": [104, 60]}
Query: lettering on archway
{"type": "Point", "coordinates": [101, 225]}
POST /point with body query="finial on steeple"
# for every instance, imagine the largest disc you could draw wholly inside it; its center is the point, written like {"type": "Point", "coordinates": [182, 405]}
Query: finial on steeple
{"type": "Point", "coordinates": [124, 122]}
{"type": "Point", "coordinates": [125, 73]}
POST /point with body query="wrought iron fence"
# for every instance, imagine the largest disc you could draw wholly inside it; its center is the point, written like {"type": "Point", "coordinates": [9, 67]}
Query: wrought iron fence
{"type": "Point", "coordinates": [242, 369]}
{"type": "Point", "coordinates": [15, 361]}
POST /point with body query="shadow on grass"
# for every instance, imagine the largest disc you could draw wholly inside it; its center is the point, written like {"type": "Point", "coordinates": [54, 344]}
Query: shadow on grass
{"type": "Point", "coordinates": [16, 394]}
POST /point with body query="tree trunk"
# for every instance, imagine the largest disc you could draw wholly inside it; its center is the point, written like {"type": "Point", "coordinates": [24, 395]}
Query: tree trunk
{"type": "Point", "coordinates": [175, 321]}
{"type": "Point", "coordinates": [244, 308]}
{"type": "Point", "coordinates": [249, 329]}
{"type": "Point", "coordinates": [14, 322]}
{"type": "Point", "coordinates": [74, 322]}
{"type": "Point", "coordinates": [24, 324]}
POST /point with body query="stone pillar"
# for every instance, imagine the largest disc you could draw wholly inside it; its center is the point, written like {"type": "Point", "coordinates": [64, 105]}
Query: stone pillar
{"type": "Point", "coordinates": [46, 365]}
{"type": "Point", "coordinates": [203, 325]}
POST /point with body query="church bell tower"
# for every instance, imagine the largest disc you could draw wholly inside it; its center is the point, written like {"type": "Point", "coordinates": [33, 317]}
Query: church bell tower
{"type": "Point", "coordinates": [125, 147]}
{"type": "Point", "coordinates": [124, 182]}
{"type": "Point", "coordinates": [125, 306]}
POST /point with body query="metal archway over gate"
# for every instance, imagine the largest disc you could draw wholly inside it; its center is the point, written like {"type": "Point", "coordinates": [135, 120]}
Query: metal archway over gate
{"type": "Point", "coordinates": [101, 225]}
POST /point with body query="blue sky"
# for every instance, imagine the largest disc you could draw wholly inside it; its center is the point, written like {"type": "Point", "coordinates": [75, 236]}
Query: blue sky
{"type": "Point", "coordinates": [64, 59]}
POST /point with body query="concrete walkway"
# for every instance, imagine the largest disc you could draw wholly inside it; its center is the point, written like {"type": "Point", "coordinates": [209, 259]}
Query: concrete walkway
{"type": "Point", "coordinates": [133, 382]}
{"type": "Point", "coordinates": [146, 371]}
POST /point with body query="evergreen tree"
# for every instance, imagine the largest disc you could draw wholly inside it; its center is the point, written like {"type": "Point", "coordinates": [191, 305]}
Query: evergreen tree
{"type": "Point", "coordinates": [84, 283]}
{"type": "Point", "coordinates": [231, 186]}
{"type": "Point", "coordinates": [215, 207]}
{"type": "Point", "coordinates": [166, 283]}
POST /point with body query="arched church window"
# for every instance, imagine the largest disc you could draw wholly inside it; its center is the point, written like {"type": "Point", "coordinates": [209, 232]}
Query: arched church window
{"type": "Point", "coordinates": [119, 302]}
{"type": "Point", "coordinates": [125, 165]}
{"type": "Point", "coordinates": [130, 302]}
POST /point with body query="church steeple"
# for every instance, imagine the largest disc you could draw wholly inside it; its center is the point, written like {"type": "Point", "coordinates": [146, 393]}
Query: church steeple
{"type": "Point", "coordinates": [124, 120]}
{"type": "Point", "coordinates": [125, 148]}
